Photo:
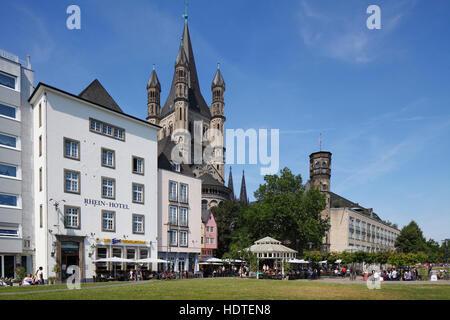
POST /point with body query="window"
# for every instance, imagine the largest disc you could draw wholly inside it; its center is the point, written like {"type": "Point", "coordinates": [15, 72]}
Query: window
{"type": "Point", "coordinates": [207, 228]}
{"type": "Point", "coordinates": [41, 214]}
{"type": "Point", "coordinates": [138, 165]}
{"type": "Point", "coordinates": [118, 133]}
{"type": "Point", "coordinates": [108, 158]}
{"type": "Point", "coordinates": [106, 129]}
{"type": "Point", "coordinates": [40, 115]}
{"type": "Point", "coordinates": [173, 215]}
{"type": "Point", "coordinates": [108, 221]}
{"type": "Point", "coordinates": [138, 223]}
{"type": "Point", "coordinates": [176, 167]}
{"type": "Point", "coordinates": [143, 254]}
{"type": "Point", "coordinates": [71, 217]}
{"type": "Point", "coordinates": [207, 240]}
{"type": "Point", "coordinates": [8, 170]}
{"type": "Point", "coordinates": [8, 111]}
{"type": "Point", "coordinates": [211, 229]}
{"type": "Point", "coordinates": [9, 200]}
{"type": "Point", "coordinates": [138, 193]}
{"type": "Point", "coordinates": [8, 141]}
{"type": "Point", "coordinates": [183, 239]}
{"type": "Point", "coordinates": [95, 126]}
{"type": "Point", "coordinates": [72, 181]}
{"type": "Point", "coordinates": [173, 186]}
{"type": "Point", "coordinates": [183, 217]}
{"type": "Point", "coordinates": [40, 179]}
{"type": "Point", "coordinates": [108, 188]}
{"type": "Point", "coordinates": [71, 149]}
{"type": "Point", "coordinates": [211, 240]}
{"type": "Point", "coordinates": [173, 237]}
{"type": "Point", "coordinates": [9, 231]}
{"type": "Point", "coordinates": [183, 193]}
{"type": "Point", "coordinates": [40, 146]}
{"type": "Point", "coordinates": [324, 164]}
{"type": "Point", "coordinates": [8, 81]}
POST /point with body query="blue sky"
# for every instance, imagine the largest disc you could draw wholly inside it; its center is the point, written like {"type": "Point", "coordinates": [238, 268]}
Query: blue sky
{"type": "Point", "coordinates": [380, 98]}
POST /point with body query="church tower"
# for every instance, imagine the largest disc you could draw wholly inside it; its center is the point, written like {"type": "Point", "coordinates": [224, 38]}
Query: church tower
{"type": "Point", "coordinates": [320, 170]}
{"type": "Point", "coordinates": [230, 185]}
{"type": "Point", "coordinates": [153, 98]}
{"type": "Point", "coordinates": [181, 89]}
{"type": "Point", "coordinates": [243, 194]}
{"type": "Point", "coordinates": [217, 116]}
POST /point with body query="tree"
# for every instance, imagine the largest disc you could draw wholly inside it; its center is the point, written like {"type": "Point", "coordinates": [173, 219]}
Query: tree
{"type": "Point", "coordinates": [228, 215]}
{"type": "Point", "coordinates": [285, 211]}
{"type": "Point", "coordinates": [360, 256]}
{"type": "Point", "coordinates": [410, 239]}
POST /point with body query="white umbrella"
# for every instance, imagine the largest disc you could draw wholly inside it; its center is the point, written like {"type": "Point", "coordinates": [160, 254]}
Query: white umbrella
{"type": "Point", "coordinates": [233, 261]}
{"type": "Point", "coordinates": [297, 261]}
{"type": "Point", "coordinates": [323, 262]}
{"type": "Point", "coordinates": [152, 260]}
{"type": "Point", "coordinates": [211, 260]}
{"type": "Point", "coordinates": [338, 261]}
{"type": "Point", "coordinates": [115, 260]}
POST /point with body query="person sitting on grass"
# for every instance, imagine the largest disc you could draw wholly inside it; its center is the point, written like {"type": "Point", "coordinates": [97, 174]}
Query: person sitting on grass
{"type": "Point", "coordinates": [27, 281]}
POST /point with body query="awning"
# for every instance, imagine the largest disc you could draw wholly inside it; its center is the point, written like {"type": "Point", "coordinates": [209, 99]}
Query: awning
{"type": "Point", "coordinates": [298, 261]}
{"type": "Point", "coordinates": [152, 260]}
{"type": "Point", "coordinates": [115, 260]}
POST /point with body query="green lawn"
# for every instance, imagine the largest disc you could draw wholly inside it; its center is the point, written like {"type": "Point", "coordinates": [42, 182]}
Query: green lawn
{"type": "Point", "coordinates": [218, 289]}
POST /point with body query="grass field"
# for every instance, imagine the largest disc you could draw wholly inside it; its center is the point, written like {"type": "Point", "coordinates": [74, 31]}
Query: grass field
{"type": "Point", "coordinates": [230, 289]}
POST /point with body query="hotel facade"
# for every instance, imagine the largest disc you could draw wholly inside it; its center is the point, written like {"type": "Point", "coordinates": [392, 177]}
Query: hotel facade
{"type": "Point", "coordinates": [95, 182]}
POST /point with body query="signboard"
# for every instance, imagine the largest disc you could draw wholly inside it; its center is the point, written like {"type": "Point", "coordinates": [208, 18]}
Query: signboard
{"type": "Point", "coordinates": [115, 241]}
{"type": "Point", "coordinates": [106, 204]}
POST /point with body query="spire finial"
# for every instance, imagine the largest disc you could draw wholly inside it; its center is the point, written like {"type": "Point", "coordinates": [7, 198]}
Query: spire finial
{"type": "Point", "coordinates": [320, 142]}
{"type": "Point", "coordinates": [185, 15]}
{"type": "Point", "coordinates": [218, 65]}
{"type": "Point", "coordinates": [153, 66]}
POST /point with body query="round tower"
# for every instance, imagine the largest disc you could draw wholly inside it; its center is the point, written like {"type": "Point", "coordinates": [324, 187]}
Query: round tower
{"type": "Point", "coordinates": [320, 170]}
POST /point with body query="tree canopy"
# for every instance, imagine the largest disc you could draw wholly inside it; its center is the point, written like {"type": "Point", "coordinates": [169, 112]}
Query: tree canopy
{"type": "Point", "coordinates": [410, 239]}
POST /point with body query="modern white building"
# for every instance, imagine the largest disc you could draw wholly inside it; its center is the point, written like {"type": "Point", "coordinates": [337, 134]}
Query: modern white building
{"type": "Point", "coordinates": [179, 216]}
{"type": "Point", "coordinates": [16, 178]}
{"type": "Point", "coordinates": [95, 182]}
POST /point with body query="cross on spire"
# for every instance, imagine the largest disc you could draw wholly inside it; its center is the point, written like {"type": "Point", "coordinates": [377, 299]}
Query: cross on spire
{"type": "Point", "coordinates": [185, 15]}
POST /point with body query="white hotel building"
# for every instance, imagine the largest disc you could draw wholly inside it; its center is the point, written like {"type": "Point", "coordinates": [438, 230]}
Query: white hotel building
{"type": "Point", "coordinates": [95, 181]}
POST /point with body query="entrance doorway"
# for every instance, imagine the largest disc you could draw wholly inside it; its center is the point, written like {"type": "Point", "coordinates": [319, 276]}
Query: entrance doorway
{"type": "Point", "coordinates": [7, 266]}
{"type": "Point", "coordinates": [70, 256]}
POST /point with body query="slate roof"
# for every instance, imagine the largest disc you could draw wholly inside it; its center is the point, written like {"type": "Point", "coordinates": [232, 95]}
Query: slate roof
{"type": "Point", "coordinates": [153, 82]}
{"type": "Point", "coordinates": [196, 101]}
{"type": "Point", "coordinates": [97, 94]}
{"type": "Point", "coordinates": [218, 79]}
{"type": "Point", "coordinates": [350, 204]}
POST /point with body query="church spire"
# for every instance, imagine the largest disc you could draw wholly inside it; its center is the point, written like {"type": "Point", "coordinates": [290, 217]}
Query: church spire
{"type": "Point", "coordinates": [243, 194]}
{"type": "Point", "coordinates": [230, 185]}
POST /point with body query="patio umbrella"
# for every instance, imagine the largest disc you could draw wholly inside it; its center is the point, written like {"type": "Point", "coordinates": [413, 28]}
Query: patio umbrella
{"type": "Point", "coordinates": [152, 260]}
{"type": "Point", "coordinates": [338, 261]}
{"type": "Point", "coordinates": [114, 260]}
{"type": "Point", "coordinates": [298, 261]}
{"type": "Point", "coordinates": [212, 260]}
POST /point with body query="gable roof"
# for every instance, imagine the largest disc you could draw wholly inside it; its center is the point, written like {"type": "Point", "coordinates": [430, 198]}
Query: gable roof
{"type": "Point", "coordinates": [97, 94]}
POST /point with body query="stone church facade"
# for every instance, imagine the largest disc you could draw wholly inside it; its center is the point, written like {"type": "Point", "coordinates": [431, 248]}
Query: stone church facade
{"type": "Point", "coordinates": [185, 108]}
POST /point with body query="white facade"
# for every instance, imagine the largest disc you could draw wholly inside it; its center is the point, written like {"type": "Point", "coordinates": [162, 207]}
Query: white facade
{"type": "Point", "coordinates": [179, 215]}
{"type": "Point", "coordinates": [79, 216]}
{"type": "Point", "coordinates": [16, 178]}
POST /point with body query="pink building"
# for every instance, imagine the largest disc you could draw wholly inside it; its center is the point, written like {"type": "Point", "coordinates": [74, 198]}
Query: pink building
{"type": "Point", "coordinates": [209, 234]}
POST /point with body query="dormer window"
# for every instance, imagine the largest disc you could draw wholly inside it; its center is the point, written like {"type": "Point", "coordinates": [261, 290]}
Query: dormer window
{"type": "Point", "coordinates": [177, 167]}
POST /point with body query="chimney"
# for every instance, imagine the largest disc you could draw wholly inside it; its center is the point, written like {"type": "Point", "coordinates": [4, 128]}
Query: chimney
{"type": "Point", "coordinates": [28, 62]}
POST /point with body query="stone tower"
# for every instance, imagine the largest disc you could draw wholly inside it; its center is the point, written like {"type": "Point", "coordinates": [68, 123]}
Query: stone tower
{"type": "Point", "coordinates": [153, 98]}
{"type": "Point", "coordinates": [181, 89]}
{"type": "Point", "coordinates": [185, 108]}
{"type": "Point", "coordinates": [320, 170]}
{"type": "Point", "coordinates": [218, 118]}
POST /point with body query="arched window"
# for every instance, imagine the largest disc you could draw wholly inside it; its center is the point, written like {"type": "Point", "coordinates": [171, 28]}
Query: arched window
{"type": "Point", "coordinates": [324, 164]}
{"type": "Point", "coordinates": [317, 165]}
